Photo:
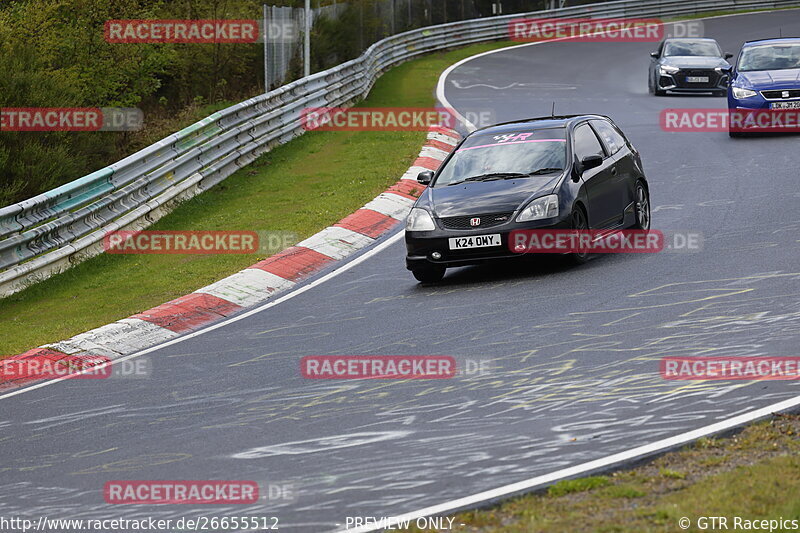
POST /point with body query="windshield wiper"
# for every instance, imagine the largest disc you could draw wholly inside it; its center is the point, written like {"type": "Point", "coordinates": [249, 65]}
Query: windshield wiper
{"type": "Point", "coordinates": [492, 176]}
{"type": "Point", "coordinates": [548, 170]}
{"type": "Point", "coordinates": [496, 176]}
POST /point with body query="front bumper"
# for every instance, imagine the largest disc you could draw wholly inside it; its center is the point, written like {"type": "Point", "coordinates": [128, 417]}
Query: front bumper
{"type": "Point", "coordinates": [759, 109]}
{"type": "Point", "coordinates": [677, 82]}
{"type": "Point", "coordinates": [421, 244]}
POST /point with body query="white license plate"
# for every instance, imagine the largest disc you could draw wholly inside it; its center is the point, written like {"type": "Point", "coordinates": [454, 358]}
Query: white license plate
{"type": "Point", "coordinates": [476, 241]}
{"type": "Point", "coordinates": [785, 105]}
{"type": "Point", "coordinates": [697, 79]}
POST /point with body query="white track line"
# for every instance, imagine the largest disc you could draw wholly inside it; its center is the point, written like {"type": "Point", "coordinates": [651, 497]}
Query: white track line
{"type": "Point", "coordinates": [597, 464]}
{"type": "Point", "coordinates": [344, 268]}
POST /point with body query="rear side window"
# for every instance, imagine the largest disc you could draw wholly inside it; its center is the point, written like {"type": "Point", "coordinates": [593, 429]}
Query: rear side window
{"type": "Point", "coordinates": [613, 140]}
{"type": "Point", "coordinates": [586, 142]}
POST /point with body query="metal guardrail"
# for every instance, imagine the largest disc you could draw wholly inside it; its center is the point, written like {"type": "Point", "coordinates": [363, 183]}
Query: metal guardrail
{"type": "Point", "coordinates": [49, 232]}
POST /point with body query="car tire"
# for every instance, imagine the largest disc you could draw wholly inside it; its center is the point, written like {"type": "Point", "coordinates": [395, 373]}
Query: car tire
{"type": "Point", "coordinates": [579, 223]}
{"type": "Point", "coordinates": [641, 206]}
{"type": "Point", "coordinates": [652, 87]}
{"type": "Point", "coordinates": [429, 274]}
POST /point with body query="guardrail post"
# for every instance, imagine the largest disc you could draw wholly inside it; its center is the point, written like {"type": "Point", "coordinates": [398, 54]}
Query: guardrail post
{"type": "Point", "coordinates": [307, 41]}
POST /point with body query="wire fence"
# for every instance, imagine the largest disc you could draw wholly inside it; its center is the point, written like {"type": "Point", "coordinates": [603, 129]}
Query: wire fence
{"type": "Point", "coordinates": [343, 30]}
{"type": "Point", "coordinates": [282, 34]}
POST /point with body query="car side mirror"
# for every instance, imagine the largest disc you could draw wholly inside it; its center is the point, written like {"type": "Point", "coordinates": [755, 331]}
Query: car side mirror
{"type": "Point", "coordinates": [728, 56]}
{"type": "Point", "coordinates": [424, 178]}
{"type": "Point", "coordinates": [654, 55]}
{"type": "Point", "coordinates": [590, 162]}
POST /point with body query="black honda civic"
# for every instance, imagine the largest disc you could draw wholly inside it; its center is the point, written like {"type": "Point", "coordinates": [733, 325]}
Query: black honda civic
{"type": "Point", "coordinates": [568, 172]}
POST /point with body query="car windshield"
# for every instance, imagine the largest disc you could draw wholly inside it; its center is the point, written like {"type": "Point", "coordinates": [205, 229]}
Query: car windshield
{"type": "Point", "coordinates": [770, 57]}
{"type": "Point", "coordinates": [692, 48]}
{"type": "Point", "coordinates": [522, 154]}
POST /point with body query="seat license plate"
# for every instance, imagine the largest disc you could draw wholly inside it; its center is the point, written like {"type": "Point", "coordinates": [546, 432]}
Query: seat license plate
{"type": "Point", "coordinates": [785, 105]}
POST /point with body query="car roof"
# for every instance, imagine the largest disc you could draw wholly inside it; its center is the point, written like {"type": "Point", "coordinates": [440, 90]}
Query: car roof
{"type": "Point", "coordinates": [774, 40]}
{"type": "Point", "coordinates": [538, 123]}
{"type": "Point", "coordinates": [705, 39]}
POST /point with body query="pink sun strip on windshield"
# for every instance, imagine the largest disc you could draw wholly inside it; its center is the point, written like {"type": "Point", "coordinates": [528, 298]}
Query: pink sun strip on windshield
{"type": "Point", "coordinates": [513, 142]}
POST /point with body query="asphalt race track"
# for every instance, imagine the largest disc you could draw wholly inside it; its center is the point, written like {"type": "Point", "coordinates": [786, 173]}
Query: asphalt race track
{"type": "Point", "coordinates": [570, 354]}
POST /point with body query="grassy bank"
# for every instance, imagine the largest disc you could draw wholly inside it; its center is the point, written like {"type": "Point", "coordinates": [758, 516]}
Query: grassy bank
{"type": "Point", "coordinates": [753, 475]}
{"type": "Point", "coordinates": [301, 187]}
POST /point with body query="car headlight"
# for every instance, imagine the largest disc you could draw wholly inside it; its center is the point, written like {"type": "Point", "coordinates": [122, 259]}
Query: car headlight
{"type": "Point", "coordinates": [544, 207]}
{"type": "Point", "coordinates": [738, 92]}
{"type": "Point", "coordinates": [668, 69]}
{"type": "Point", "coordinates": [419, 220]}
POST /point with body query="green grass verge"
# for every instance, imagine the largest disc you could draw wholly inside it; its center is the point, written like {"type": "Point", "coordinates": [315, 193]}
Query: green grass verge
{"type": "Point", "coordinates": [300, 187]}
{"type": "Point", "coordinates": [754, 475]}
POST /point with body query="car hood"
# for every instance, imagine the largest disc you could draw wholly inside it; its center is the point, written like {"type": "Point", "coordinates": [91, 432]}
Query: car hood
{"type": "Point", "coordinates": [771, 79]}
{"type": "Point", "coordinates": [483, 197]}
{"type": "Point", "coordinates": [694, 62]}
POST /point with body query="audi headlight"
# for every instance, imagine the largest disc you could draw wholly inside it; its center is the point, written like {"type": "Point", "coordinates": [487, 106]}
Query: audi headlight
{"type": "Point", "coordinates": [544, 207]}
{"type": "Point", "coordinates": [738, 92]}
{"type": "Point", "coordinates": [669, 69]}
{"type": "Point", "coordinates": [419, 220]}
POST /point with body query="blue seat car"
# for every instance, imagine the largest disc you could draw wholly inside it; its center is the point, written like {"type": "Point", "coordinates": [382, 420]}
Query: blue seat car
{"type": "Point", "coordinates": [766, 76]}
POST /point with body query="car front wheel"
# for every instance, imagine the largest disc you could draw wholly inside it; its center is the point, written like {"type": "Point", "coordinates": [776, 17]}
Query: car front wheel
{"type": "Point", "coordinates": [579, 224]}
{"type": "Point", "coordinates": [642, 207]}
